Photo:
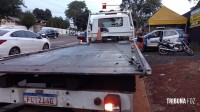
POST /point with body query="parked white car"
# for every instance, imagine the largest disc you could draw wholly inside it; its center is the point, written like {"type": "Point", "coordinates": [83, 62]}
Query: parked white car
{"type": "Point", "coordinates": [170, 35]}
{"type": "Point", "coordinates": [17, 41]}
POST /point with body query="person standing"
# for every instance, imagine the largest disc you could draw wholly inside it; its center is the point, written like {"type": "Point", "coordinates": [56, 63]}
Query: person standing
{"type": "Point", "coordinates": [140, 36]}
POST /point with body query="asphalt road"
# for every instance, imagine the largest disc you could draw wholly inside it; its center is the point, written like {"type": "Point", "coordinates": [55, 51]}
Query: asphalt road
{"type": "Point", "coordinates": [62, 40]}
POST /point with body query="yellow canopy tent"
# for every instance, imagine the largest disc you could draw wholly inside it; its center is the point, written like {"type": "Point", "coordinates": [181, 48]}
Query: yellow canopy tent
{"type": "Point", "coordinates": [165, 16]}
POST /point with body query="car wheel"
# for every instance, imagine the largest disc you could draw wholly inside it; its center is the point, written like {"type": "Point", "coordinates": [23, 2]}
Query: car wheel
{"type": "Point", "coordinates": [45, 47]}
{"type": "Point", "coordinates": [54, 36]}
{"type": "Point", "coordinates": [14, 51]}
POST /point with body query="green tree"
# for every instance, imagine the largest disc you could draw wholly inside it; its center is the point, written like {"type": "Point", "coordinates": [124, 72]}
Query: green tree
{"type": "Point", "coordinates": [198, 2]}
{"type": "Point", "coordinates": [10, 8]}
{"type": "Point", "coordinates": [41, 14]}
{"type": "Point", "coordinates": [58, 22]}
{"type": "Point", "coordinates": [142, 10]}
{"type": "Point", "coordinates": [78, 12]}
{"type": "Point", "coordinates": [48, 14]}
{"type": "Point", "coordinates": [28, 19]}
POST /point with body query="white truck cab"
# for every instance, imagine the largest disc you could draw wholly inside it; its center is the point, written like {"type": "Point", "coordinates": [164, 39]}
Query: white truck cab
{"type": "Point", "coordinates": [111, 25]}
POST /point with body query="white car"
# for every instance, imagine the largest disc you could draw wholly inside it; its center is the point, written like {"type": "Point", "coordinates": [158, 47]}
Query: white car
{"type": "Point", "coordinates": [17, 41]}
{"type": "Point", "coordinates": [170, 35]}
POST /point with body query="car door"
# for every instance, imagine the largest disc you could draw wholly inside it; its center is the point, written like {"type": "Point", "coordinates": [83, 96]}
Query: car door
{"type": "Point", "coordinates": [153, 39]}
{"type": "Point", "coordinates": [35, 41]}
{"type": "Point", "coordinates": [170, 36]}
{"type": "Point", "coordinates": [20, 40]}
{"type": "Point", "coordinates": [51, 33]}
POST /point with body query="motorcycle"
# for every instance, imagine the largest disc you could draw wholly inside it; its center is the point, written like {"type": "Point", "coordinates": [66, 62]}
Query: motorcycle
{"type": "Point", "coordinates": [166, 47]}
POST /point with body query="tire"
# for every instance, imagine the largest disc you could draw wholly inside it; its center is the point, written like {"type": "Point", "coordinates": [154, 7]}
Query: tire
{"type": "Point", "coordinates": [161, 51]}
{"type": "Point", "coordinates": [55, 36]}
{"type": "Point", "coordinates": [45, 47]}
{"type": "Point", "coordinates": [14, 51]}
{"type": "Point", "coordinates": [188, 51]}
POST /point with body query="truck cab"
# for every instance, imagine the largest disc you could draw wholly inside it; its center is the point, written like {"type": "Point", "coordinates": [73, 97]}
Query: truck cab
{"type": "Point", "coordinates": [110, 26]}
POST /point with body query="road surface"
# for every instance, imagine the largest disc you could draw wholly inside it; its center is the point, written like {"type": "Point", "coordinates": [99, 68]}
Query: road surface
{"type": "Point", "coordinates": [63, 40]}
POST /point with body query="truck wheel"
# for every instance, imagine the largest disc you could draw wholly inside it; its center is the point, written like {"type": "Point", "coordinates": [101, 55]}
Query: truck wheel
{"type": "Point", "coordinates": [45, 47]}
{"type": "Point", "coordinates": [14, 51]}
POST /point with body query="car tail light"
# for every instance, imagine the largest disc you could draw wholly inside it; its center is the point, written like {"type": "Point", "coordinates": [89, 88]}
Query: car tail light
{"type": "Point", "coordinates": [185, 36]}
{"type": "Point", "coordinates": [112, 103]}
{"type": "Point", "coordinates": [81, 41]}
{"type": "Point", "coordinates": [2, 41]}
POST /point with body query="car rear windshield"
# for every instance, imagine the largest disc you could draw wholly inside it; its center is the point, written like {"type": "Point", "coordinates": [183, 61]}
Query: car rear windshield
{"type": "Point", "coordinates": [111, 22]}
{"type": "Point", "coordinates": [2, 32]}
{"type": "Point", "coordinates": [181, 32]}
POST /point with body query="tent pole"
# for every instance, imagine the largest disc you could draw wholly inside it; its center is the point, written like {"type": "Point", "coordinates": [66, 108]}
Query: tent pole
{"type": "Point", "coordinates": [185, 27]}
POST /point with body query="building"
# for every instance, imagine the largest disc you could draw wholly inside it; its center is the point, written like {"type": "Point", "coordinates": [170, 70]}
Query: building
{"type": "Point", "coordinates": [10, 21]}
{"type": "Point", "coordinates": [193, 28]}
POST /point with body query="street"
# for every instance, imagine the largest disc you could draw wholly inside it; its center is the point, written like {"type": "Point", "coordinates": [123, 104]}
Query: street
{"type": "Point", "coordinates": [62, 40]}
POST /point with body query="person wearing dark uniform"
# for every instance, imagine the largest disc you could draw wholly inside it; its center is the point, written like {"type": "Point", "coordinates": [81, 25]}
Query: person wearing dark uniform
{"type": "Point", "coordinates": [140, 36]}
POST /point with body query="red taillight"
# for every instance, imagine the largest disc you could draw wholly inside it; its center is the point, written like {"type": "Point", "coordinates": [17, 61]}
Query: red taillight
{"type": "Point", "coordinates": [185, 36]}
{"type": "Point", "coordinates": [2, 41]}
{"type": "Point", "coordinates": [80, 41]}
{"type": "Point", "coordinates": [112, 103]}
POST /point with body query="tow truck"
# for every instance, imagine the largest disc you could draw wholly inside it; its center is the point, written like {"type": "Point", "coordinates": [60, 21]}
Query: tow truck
{"type": "Point", "coordinates": [90, 76]}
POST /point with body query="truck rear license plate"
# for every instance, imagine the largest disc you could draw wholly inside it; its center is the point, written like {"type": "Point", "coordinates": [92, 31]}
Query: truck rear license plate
{"type": "Point", "coordinates": [109, 39]}
{"type": "Point", "coordinates": [40, 99]}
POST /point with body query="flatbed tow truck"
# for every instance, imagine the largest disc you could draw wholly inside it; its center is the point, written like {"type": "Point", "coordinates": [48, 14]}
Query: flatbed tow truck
{"type": "Point", "coordinates": [96, 77]}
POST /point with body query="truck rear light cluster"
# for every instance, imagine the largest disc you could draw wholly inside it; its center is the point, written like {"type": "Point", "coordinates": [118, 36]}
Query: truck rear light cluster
{"type": "Point", "coordinates": [2, 41]}
{"type": "Point", "coordinates": [112, 103]}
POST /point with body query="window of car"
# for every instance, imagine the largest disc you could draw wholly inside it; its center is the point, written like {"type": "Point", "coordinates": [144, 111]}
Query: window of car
{"type": "Point", "coordinates": [157, 33]}
{"type": "Point", "coordinates": [51, 31]}
{"type": "Point", "coordinates": [180, 31]}
{"type": "Point", "coordinates": [18, 34]}
{"type": "Point", "coordinates": [3, 32]}
{"type": "Point", "coordinates": [30, 34]}
{"type": "Point", "coordinates": [169, 33]}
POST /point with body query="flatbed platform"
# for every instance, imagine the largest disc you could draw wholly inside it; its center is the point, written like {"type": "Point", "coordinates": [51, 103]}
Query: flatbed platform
{"type": "Point", "coordinates": [93, 59]}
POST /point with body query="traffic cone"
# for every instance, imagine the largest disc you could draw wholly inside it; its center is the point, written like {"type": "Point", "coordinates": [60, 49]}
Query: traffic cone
{"type": "Point", "coordinates": [99, 34]}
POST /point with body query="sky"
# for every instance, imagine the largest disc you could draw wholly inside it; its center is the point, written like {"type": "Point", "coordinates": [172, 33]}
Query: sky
{"type": "Point", "coordinates": [58, 7]}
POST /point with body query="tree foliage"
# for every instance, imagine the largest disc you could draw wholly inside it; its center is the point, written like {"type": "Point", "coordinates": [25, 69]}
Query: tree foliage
{"type": "Point", "coordinates": [28, 19]}
{"type": "Point", "coordinates": [198, 2]}
{"type": "Point", "coordinates": [142, 10]}
{"type": "Point", "coordinates": [58, 22]}
{"type": "Point", "coordinates": [10, 8]}
{"type": "Point", "coordinates": [42, 14]}
{"type": "Point", "coordinates": [78, 12]}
